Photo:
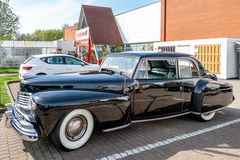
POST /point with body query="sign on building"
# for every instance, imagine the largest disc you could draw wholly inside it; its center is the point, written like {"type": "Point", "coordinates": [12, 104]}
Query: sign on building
{"type": "Point", "coordinates": [82, 37]}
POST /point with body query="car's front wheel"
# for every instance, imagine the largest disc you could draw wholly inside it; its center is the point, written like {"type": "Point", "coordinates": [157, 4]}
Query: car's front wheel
{"type": "Point", "coordinates": [74, 130]}
{"type": "Point", "coordinates": [206, 116]}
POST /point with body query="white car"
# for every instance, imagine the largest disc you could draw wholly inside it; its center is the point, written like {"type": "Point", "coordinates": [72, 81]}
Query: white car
{"type": "Point", "coordinates": [49, 64]}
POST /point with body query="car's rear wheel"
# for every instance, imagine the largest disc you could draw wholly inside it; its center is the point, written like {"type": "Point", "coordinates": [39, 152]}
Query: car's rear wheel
{"type": "Point", "coordinates": [74, 130]}
{"type": "Point", "coordinates": [206, 116]}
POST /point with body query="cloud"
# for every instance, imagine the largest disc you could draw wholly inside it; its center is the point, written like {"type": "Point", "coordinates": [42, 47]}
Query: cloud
{"type": "Point", "coordinates": [47, 14]}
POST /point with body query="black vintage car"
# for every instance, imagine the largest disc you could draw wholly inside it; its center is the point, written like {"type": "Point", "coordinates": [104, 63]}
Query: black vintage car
{"type": "Point", "coordinates": [129, 87]}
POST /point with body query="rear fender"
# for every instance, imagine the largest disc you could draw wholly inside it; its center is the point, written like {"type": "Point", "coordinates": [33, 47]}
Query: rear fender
{"type": "Point", "coordinates": [216, 96]}
{"type": "Point", "coordinates": [197, 96]}
{"type": "Point", "coordinates": [210, 95]}
{"type": "Point", "coordinates": [110, 109]}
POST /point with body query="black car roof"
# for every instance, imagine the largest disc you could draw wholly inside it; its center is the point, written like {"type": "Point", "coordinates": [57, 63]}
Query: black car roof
{"type": "Point", "coordinates": [147, 54]}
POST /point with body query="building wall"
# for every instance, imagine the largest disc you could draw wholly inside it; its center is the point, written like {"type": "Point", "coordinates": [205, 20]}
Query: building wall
{"type": "Point", "coordinates": [199, 19]}
{"type": "Point", "coordinates": [141, 24]}
{"type": "Point", "coordinates": [232, 59]}
{"type": "Point", "coordinates": [69, 33]}
{"type": "Point", "coordinates": [66, 46]}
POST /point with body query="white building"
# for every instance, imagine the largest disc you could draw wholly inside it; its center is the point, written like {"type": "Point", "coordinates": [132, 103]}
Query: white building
{"type": "Point", "coordinates": [140, 27]}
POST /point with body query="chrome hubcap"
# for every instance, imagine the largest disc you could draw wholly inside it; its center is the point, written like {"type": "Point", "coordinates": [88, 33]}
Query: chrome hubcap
{"type": "Point", "coordinates": [76, 128]}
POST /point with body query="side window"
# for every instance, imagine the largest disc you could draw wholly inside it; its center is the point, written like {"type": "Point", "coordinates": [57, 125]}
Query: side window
{"type": "Point", "coordinates": [157, 69]}
{"type": "Point", "coordinates": [187, 69]}
{"type": "Point", "coordinates": [73, 61]}
{"type": "Point", "coordinates": [59, 60]}
{"type": "Point", "coordinates": [142, 70]}
{"type": "Point", "coordinates": [44, 59]}
{"type": "Point", "coordinates": [53, 60]}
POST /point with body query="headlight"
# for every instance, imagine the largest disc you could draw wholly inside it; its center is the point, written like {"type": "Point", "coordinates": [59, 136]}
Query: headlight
{"type": "Point", "coordinates": [31, 104]}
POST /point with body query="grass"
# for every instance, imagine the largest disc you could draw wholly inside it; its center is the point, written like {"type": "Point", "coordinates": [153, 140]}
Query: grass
{"type": "Point", "coordinates": [9, 70]}
{"type": "Point", "coordinates": [4, 98]}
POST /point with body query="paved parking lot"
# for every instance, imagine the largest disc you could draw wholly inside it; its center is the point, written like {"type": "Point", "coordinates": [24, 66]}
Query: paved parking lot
{"type": "Point", "coordinates": [175, 139]}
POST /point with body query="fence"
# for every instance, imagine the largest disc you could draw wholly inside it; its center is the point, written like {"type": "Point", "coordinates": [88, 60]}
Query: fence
{"type": "Point", "coordinates": [13, 53]}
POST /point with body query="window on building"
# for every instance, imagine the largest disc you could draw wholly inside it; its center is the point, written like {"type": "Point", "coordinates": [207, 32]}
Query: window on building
{"type": "Point", "coordinates": [139, 47]}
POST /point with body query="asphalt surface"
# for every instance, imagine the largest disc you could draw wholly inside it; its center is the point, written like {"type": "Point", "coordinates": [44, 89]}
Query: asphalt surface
{"type": "Point", "coordinates": [176, 139]}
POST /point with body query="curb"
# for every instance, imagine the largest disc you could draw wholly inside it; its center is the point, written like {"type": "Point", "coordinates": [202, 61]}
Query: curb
{"type": "Point", "coordinates": [9, 73]}
{"type": "Point", "coordinates": [9, 92]}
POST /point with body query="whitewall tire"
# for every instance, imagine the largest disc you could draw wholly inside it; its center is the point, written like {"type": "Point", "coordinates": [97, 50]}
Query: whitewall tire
{"type": "Point", "coordinates": [207, 116]}
{"type": "Point", "coordinates": [74, 130]}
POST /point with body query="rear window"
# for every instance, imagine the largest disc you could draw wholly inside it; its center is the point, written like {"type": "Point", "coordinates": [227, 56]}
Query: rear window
{"type": "Point", "coordinates": [28, 60]}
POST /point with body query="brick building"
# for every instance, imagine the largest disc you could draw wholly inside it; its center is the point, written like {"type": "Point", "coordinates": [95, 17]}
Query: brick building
{"type": "Point", "coordinates": [69, 32]}
{"type": "Point", "coordinates": [199, 19]}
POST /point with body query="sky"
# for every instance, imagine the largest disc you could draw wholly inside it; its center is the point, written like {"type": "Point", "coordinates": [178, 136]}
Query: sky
{"type": "Point", "coordinates": [53, 14]}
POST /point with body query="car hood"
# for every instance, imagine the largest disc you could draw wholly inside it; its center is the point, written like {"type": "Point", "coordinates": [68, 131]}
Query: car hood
{"type": "Point", "coordinates": [90, 81]}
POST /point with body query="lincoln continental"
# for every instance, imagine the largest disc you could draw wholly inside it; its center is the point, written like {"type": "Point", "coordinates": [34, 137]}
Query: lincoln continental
{"type": "Point", "coordinates": [127, 88]}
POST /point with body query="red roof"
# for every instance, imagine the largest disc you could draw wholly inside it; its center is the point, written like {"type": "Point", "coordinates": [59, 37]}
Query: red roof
{"type": "Point", "coordinates": [102, 25]}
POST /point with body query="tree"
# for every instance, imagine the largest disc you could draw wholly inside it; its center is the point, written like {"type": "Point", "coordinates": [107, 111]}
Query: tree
{"type": "Point", "coordinates": [24, 37]}
{"type": "Point", "coordinates": [118, 48]}
{"type": "Point", "coordinates": [42, 35]}
{"type": "Point", "coordinates": [9, 22]}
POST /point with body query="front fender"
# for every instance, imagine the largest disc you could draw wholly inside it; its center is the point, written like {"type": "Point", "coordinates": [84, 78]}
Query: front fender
{"type": "Point", "coordinates": [109, 109]}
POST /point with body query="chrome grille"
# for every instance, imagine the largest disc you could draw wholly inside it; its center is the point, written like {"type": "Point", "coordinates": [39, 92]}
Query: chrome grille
{"type": "Point", "coordinates": [23, 99]}
{"type": "Point", "coordinates": [21, 113]}
{"type": "Point", "coordinates": [17, 114]}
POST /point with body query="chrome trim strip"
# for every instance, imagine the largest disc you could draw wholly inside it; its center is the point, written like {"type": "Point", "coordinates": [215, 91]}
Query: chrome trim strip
{"type": "Point", "coordinates": [117, 128]}
{"type": "Point", "coordinates": [197, 113]}
{"type": "Point", "coordinates": [156, 119]}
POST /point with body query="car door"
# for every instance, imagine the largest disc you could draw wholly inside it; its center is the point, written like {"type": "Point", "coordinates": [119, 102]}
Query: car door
{"type": "Point", "coordinates": [188, 76]}
{"type": "Point", "coordinates": [159, 91]}
{"type": "Point", "coordinates": [74, 65]}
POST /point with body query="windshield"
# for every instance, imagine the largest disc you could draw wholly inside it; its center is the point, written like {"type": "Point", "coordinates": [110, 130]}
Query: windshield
{"type": "Point", "coordinates": [119, 64]}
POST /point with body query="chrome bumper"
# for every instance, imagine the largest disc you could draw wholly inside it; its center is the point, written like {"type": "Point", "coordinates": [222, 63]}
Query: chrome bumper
{"type": "Point", "coordinates": [22, 127]}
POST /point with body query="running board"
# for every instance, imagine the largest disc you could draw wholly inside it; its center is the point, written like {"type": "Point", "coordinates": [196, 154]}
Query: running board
{"type": "Point", "coordinates": [161, 118]}
{"type": "Point", "coordinates": [147, 120]}
{"type": "Point", "coordinates": [116, 128]}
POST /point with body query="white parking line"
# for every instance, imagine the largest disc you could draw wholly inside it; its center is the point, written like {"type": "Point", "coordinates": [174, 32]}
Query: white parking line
{"type": "Point", "coordinates": [167, 141]}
